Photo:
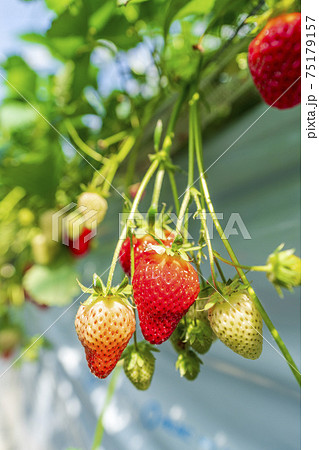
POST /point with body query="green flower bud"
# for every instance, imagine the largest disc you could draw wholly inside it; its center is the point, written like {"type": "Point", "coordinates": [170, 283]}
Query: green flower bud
{"type": "Point", "coordinates": [284, 269]}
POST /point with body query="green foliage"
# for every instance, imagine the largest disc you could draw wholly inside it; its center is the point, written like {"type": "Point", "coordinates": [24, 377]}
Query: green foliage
{"type": "Point", "coordinates": [120, 62]}
{"type": "Point", "coordinates": [51, 285]}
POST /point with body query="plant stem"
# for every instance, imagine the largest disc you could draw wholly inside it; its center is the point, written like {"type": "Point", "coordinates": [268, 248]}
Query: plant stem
{"type": "Point", "coordinates": [82, 145]}
{"type": "Point", "coordinates": [99, 430]}
{"type": "Point", "coordinates": [114, 139]}
{"type": "Point", "coordinates": [182, 212]}
{"type": "Point", "coordinates": [157, 188]}
{"type": "Point", "coordinates": [265, 268]}
{"type": "Point", "coordinates": [174, 190]}
{"type": "Point", "coordinates": [147, 177]}
{"type": "Point", "coordinates": [116, 160]}
{"type": "Point", "coordinates": [168, 142]}
{"type": "Point", "coordinates": [221, 273]}
{"type": "Point", "coordinates": [202, 215]}
{"type": "Point", "coordinates": [232, 255]}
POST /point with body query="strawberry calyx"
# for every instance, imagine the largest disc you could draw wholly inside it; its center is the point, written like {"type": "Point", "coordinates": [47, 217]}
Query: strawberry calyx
{"type": "Point", "coordinates": [137, 350]}
{"type": "Point", "coordinates": [226, 290]}
{"type": "Point", "coordinates": [188, 364]}
{"type": "Point", "coordinates": [98, 291]}
{"type": "Point", "coordinates": [194, 333]}
{"type": "Point", "coordinates": [178, 248]}
{"type": "Point", "coordinates": [199, 334]}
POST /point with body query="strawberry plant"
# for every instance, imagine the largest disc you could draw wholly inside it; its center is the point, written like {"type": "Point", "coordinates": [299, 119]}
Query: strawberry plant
{"type": "Point", "coordinates": [89, 141]}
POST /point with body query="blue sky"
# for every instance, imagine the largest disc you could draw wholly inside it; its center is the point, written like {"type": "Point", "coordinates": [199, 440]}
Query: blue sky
{"type": "Point", "coordinates": [16, 17]}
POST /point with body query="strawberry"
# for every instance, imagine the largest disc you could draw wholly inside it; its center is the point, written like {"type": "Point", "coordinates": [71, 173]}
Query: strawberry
{"type": "Point", "coordinates": [238, 324]}
{"type": "Point", "coordinates": [197, 311]}
{"type": "Point", "coordinates": [140, 244]}
{"type": "Point", "coordinates": [274, 59]}
{"type": "Point", "coordinates": [10, 338]}
{"type": "Point", "coordinates": [164, 287]}
{"type": "Point", "coordinates": [81, 245]}
{"type": "Point", "coordinates": [139, 364]}
{"type": "Point", "coordinates": [200, 335]}
{"type": "Point", "coordinates": [104, 325]}
{"type": "Point", "coordinates": [178, 337]}
{"type": "Point", "coordinates": [94, 208]}
{"type": "Point", "coordinates": [188, 364]}
{"type": "Point", "coordinates": [133, 189]}
{"type": "Point", "coordinates": [44, 249]}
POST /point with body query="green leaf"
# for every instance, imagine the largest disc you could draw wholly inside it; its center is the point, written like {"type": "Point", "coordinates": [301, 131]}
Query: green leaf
{"type": "Point", "coordinates": [131, 2]}
{"type": "Point", "coordinates": [21, 77]}
{"type": "Point", "coordinates": [38, 173]}
{"type": "Point", "coordinates": [198, 7]}
{"type": "Point", "coordinates": [69, 24]}
{"type": "Point", "coordinates": [15, 116]}
{"type": "Point", "coordinates": [172, 10]}
{"type": "Point", "coordinates": [102, 15]}
{"type": "Point", "coordinates": [58, 6]}
{"type": "Point", "coordinates": [52, 286]}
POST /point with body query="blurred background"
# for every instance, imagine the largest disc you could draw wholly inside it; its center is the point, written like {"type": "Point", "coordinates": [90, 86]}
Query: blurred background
{"type": "Point", "coordinates": [93, 70]}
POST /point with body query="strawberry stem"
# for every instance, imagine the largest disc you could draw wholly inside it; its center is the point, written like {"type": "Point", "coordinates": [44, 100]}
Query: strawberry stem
{"type": "Point", "coordinates": [82, 145]}
{"type": "Point", "coordinates": [265, 268]}
{"type": "Point", "coordinates": [202, 215]}
{"type": "Point", "coordinates": [99, 430]}
{"type": "Point", "coordinates": [267, 320]}
{"type": "Point", "coordinates": [116, 160]}
{"type": "Point", "coordinates": [147, 177]}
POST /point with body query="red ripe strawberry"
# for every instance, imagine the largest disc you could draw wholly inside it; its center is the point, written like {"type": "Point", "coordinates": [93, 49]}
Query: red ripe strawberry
{"type": "Point", "coordinates": [104, 326]}
{"type": "Point", "coordinates": [81, 245]}
{"type": "Point", "coordinates": [274, 59]}
{"type": "Point", "coordinates": [164, 288]}
{"type": "Point", "coordinates": [139, 245]}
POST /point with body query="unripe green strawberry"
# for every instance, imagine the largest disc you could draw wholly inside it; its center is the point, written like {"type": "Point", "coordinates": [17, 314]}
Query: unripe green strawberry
{"type": "Point", "coordinates": [10, 337]}
{"type": "Point", "coordinates": [200, 335]}
{"type": "Point", "coordinates": [178, 337]}
{"type": "Point", "coordinates": [197, 310]}
{"type": "Point", "coordinates": [238, 324]}
{"type": "Point", "coordinates": [94, 207]}
{"type": "Point", "coordinates": [104, 326]}
{"type": "Point", "coordinates": [188, 364]}
{"type": "Point", "coordinates": [25, 217]}
{"type": "Point", "coordinates": [139, 365]}
{"type": "Point", "coordinates": [44, 249]}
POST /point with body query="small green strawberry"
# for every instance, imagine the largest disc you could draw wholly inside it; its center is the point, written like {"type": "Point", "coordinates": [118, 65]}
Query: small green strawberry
{"type": "Point", "coordinates": [178, 337]}
{"type": "Point", "coordinates": [94, 207]}
{"type": "Point", "coordinates": [284, 269]}
{"type": "Point", "coordinates": [10, 338]}
{"type": "Point", "coordinates": [197, 310]}
{"type": "Point", "coordinates": [188, 364]}
{"type": "Point", "coordinates": [200, 335]}
{"type": "Point", "coordinates": [139, 364]}
{"type": "Point", "coordinates": [44, 249]}
{"type": "Point", "coordinates": [238, 324]}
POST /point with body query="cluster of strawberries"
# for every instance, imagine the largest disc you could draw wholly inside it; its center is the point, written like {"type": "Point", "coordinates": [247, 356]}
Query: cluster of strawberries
{"type": "Point", "coordinates": [164, 288]}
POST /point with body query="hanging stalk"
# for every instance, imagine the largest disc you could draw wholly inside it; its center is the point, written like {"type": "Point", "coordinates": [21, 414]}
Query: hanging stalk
{"type": "Point", "coordinates": [82, 145]}
{"type": "Point", "coordinates": [266, 318]}
{"type": "Point", "coordinates": [99, 430]}
{"type": "Point", "coordinates": [147, 177]}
